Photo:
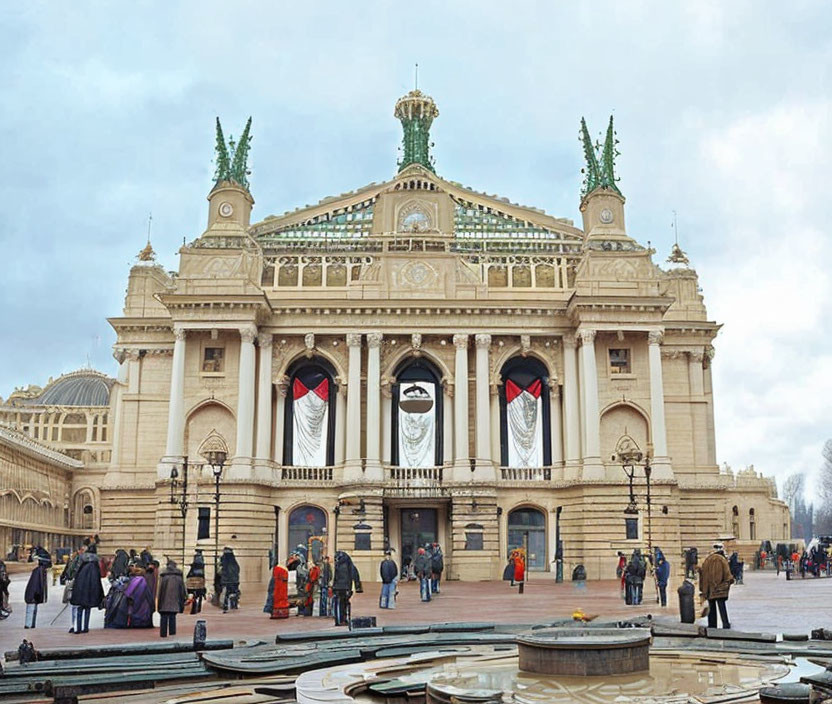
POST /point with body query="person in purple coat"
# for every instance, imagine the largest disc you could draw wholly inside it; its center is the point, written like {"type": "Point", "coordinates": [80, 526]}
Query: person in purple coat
{"type": "Point", "coordinates": [140, 600]}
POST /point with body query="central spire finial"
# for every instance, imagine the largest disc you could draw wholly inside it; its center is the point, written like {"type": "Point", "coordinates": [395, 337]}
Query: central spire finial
{"type": "Point", "coordinates": [416, 112]}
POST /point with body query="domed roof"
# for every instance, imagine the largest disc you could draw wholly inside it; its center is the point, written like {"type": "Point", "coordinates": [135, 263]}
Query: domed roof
{"type": "Point", "coordinates": [85, 387]}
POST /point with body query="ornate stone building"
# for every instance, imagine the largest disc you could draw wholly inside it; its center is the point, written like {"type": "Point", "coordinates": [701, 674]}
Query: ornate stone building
{"type": "Point", "coordinates": [416, 361]}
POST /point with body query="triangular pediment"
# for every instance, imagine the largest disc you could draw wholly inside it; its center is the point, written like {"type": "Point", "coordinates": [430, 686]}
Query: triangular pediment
{"type": "Point", "coordinates": [476, 215]}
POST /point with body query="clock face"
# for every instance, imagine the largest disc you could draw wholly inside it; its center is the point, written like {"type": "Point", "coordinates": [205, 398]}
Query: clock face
{"type": "Point", "coordinates": [226, 210]}
{"type": "Point", "coordinates": [606, 216]}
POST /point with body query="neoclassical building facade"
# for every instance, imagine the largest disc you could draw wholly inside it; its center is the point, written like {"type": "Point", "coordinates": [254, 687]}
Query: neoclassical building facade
{"type": "Point", "coordinates": [415, 361]}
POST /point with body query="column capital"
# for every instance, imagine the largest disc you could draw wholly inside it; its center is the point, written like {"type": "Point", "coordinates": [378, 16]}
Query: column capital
{"type": "Point", "coordinates": [570, 340]}
{"type": "Point", "coordinates": [483, 341]}
{"type": "Point", "coordinates": [587, 336]}
{"type": "Point", "coordinates": [248, 333]}
{"type": "Point", "coordinates": [655, 337]}
{"type": "Point", "coordinates": [554, 389]}
{"type": "Point", "coordinates": [264, 340]}
{"type": "Point", "coordinates": [697, 355]}
{"type": "Point", "coordinates": [353, 339]}
{"type": "Point", "coordinates": [461, 341]}
{"type": "Point", "coordinates": [179, 332]}
{"type": "Point", "coordinates": [374, 340]}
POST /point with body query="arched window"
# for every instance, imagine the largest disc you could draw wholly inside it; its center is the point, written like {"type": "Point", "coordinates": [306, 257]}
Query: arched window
{"type": "Point", "coordinates": [417, 415]}
{"type": "Point", "coordinates": [525, 428]}
{"type": "Point", "coordinates": [305, 522]}
{"type": "Point", "coordinates": [309, 427]}
{"type": "Point", "coordinates": [752, 525]}
{"type": "Point", "coordinates": [531, 522]}
{"type": "Point", "coordinates": [88, 517]}
{"type": "Point", "coordinates": [735, 522]}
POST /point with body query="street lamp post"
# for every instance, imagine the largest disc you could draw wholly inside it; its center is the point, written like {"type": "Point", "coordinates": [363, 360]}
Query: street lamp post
{"type": "Point", "coordinates": [182, 500]}
{"type": "Point", "coordinates": [630, 457]}
{"type": "Point", "coordinates": [216, 458]}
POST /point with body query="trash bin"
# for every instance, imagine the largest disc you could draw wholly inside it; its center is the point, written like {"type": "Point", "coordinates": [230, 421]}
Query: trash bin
{"type": "Point", "coordinates": [687, 610]}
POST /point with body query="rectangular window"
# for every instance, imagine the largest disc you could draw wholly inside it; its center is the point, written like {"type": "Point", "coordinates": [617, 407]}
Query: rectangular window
{"type": "Point", "coordinates": [473, 540]}
{"type": "Point", "coordinates": [213, 360]}
{"type": "Point", "coordinates": [619, 361]}
{"type": "Point", "coordinates": [203, 529]}
{"type": "Point", "coordinates": [632, 528]}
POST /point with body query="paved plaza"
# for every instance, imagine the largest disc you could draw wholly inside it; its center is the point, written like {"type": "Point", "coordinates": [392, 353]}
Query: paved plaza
{"type": "Point", "coordinates": [765, 602]}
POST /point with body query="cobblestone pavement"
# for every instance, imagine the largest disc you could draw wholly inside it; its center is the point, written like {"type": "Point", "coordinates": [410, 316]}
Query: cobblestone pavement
{"type": "Point", "coordinates": [764, 603]}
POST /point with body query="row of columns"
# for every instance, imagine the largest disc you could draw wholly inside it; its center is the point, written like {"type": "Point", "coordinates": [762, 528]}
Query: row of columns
{"type": "Point", "coordinates": [581, 406]}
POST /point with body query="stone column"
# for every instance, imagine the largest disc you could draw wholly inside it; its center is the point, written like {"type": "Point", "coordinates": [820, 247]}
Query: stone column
{"type": "Point", "coordinates": [483, 427]}
{"type": "Point", "coordinates": [134, 366]}
{"type": "Point", "coordinates": [593, 469]}
{"type": "Point", "coordinates": [245, 394]}
{"type": "Point", "coordinates": [373, 432]}
{"type": "Point", "coordinates": [280, 419]}
{"type": "Point", "coordinates": [386, 422]}
{"type": "Point", "coordinates": [661, 462]}
{"type": "Point", "coordinates": [353, 429]}
{"type": "Point", "coordinates": [556, 424]}
{"type": "Point", "coordinates": [461, 451]}
{"type": "Point", "coordinates": [264, 398]}
{"type": "Point", "coordinates": [572, 422]}
{"type": "Point", "coordinates": [447, 423]}
{"type": "Point", "coordinates": [698, 406]}
{"type": "Point", "coordinates": [176, 409]}
{"type": "Point", "coordinates": [340, 421]}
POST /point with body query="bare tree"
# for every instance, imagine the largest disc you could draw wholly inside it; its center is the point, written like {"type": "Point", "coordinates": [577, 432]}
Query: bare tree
{"type": "Point", "coordinates": [823, 510]}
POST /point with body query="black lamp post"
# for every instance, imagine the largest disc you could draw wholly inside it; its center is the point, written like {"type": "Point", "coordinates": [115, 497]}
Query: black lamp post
{"type": "Point", "coordinates": [216, 458]}
{"type": "Point", "coordinates": [182, 500]}
{"type": "Point", "coordinates": [630, 457]}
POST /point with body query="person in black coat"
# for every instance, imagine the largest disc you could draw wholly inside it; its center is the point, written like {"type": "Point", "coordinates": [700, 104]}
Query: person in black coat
{"type": "Point", "coordinates": [437, 566]}
{"type": "Point", "coordinates": [345, 575]}
{"type": "Point", "coordinates": [389, 573]}
{"type": "Point", "coordinates": [37, 586]}
{"type": "Point", "coordinates": [86, 589]}
{"type": "Point", "coordinates": [119, 566]}
{"type": "Point", "coordinates": [229, 579]}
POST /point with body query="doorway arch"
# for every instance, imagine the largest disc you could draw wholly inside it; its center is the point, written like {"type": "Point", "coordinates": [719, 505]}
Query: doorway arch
{"type": "Point", "coordinates": [304, 522]}
{"type": "Point", "coordinates": [530, 521]}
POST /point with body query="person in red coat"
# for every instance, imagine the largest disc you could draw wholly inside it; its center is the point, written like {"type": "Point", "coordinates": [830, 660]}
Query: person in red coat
{"type": "Point", "coordinates": [280, 594]}
{"type": "Point", "coordinates": [519, 565]}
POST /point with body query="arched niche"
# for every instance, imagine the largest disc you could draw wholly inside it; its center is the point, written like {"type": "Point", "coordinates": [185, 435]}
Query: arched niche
{"type": "Point", "coordinates": [619, 420]}
{"type": "Point", "coordinates": [418, 412]}
{"type": "Point", "coordinates": [525, 425]}
{"type": "Point", "coordinates": [208, 419]}
{"type": "Point", "coordinates": [309, 421]}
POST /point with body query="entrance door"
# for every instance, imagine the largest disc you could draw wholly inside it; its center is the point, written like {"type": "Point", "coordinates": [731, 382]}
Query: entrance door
{"type": "Point", "coordinates": [419, 526]}
{"type": "Point", "coordinates": [531, 524]}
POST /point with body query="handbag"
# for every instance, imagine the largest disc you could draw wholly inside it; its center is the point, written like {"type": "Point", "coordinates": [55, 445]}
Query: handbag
{"type": "Point", "coordinates": [65, 599]}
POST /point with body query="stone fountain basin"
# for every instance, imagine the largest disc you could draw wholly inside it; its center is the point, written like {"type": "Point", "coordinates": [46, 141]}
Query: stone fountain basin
{"type": "Point", "coordinates": [585, 652]}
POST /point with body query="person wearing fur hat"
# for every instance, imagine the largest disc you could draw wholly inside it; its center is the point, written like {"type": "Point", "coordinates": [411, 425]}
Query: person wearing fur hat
{"type": "Point", "coordinates": [715, 581]}
{"type": "Point", "coordinates": [172, 595]}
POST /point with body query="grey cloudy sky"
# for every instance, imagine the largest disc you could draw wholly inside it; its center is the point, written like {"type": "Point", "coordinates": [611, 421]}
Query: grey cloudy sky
{"type": "Point", "coordinates": [722, 109]}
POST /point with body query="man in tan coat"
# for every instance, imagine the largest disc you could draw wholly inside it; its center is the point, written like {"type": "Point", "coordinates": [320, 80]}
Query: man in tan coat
{"type": "Point", "coordinates": [715, 581]}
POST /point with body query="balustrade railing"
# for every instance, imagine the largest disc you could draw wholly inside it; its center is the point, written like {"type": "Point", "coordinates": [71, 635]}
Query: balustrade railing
{"type": "Point", "coordinates": [306, 474]}
{"type": "Point", "coordinates": [526, 474]}
{"type": "Point", "coordinates": [406, 477]}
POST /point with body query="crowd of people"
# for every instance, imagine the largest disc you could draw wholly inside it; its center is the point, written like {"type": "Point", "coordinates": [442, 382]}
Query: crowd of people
{"type": "Point", "coordinates": [137, 587]}
{"type": "Point", "coordinates": [633, 571]}
{"type": "Point", "coordinates": [325, 588]}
